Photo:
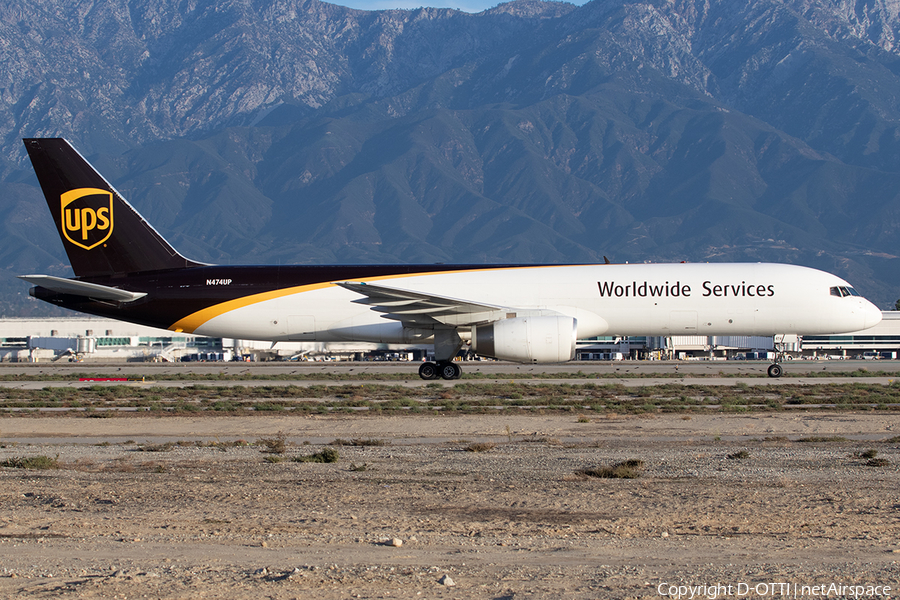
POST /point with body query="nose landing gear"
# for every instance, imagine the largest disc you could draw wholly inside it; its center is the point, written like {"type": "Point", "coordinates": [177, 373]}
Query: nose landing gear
{"type": "Point", "coordinates": [775, 369]}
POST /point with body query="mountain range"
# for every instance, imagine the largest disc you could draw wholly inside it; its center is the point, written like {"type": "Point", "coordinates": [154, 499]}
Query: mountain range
{"type": "Point", "coordinates": [300, 132]}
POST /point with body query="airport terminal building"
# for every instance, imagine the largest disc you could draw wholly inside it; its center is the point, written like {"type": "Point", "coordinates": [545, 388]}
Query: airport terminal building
{"type": "Point", "coordinates": [881, 341]}
{"type": "Point", "coordinates": [106, 340]}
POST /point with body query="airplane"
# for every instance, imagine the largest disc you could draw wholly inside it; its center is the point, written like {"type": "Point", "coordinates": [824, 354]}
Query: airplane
{"type": "Point", "coordinates": [125, 270]}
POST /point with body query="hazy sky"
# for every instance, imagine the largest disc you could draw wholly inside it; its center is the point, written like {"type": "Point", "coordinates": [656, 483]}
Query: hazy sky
{"type": "Point", "coordinates": [471, 6]}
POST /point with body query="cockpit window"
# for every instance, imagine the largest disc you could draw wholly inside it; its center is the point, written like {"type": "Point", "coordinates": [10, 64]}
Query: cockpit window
{"type": "Point", "coordinates": [843, 291]}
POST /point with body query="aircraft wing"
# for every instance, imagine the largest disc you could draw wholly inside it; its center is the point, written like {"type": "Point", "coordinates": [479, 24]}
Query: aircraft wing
{"type": "Point", "coordinates": [418, 309]}
{"type": "Point", "coordinates": [61, 285]}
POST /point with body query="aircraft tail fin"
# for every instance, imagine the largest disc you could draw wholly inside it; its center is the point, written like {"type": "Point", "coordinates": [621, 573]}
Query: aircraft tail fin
{"type": "Point", "coordinates": [102, 233]}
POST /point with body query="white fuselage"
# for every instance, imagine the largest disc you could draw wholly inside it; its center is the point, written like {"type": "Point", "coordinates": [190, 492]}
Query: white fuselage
{"type": "Point", "coordinates": [638, 299]}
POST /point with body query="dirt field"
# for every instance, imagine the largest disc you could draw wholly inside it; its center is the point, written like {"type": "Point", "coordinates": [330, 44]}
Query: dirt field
{"type": "Point", "coordinates": [720, 500]}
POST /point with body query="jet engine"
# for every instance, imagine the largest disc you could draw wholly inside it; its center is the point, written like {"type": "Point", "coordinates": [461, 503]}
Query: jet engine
{"type": "Point", "coordinates": [548, 339]}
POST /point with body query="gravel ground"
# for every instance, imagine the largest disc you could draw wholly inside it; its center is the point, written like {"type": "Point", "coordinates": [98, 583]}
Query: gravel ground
{"type": "Point", "coordinates": [516, 520]}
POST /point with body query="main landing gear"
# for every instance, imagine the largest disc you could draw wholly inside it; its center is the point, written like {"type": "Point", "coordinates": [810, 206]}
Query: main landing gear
{"type": "Point", "coordinates": [443, 369]}
{"type": "Point", "coordinates": [446, 344]}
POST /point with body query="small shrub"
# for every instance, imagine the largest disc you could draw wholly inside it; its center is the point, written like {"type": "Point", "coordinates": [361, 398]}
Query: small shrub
{"type": "Point", "coordinates": [225, 406]}
{"type": "Point", "coordinates": [273, 445]}
{"type": "Point", "coordinates": [267, 406]}
{"type": "Point", "coordinates": [31, 462]}
{"type": "Point", "coordinates": [821, 438]}
{"type": "Point", "coordinates": [741, 455]}
{"type": "Point", "coordinates": [877, 462]}
{"type": "Point", "coordinates": [480, 447]}
{"type": "Point", "coordinates": [273, 458]}
{"type": "Point", "coordinates": [105, 414]}
{"type": "Point", "coordinates": [541, 440]}
{"type": "Point", "coordinates": [362, 467]}
{"type": "Point", "coordinates": [359, 442]}
{"type": "Point", "coordinates": [626, 469]}
{"type": "Point", "coordinates": [866, 454]}
{"type": "Point", "coordinates": [328, 455]}
{"type": "Point", "coordinates": [156, 447]}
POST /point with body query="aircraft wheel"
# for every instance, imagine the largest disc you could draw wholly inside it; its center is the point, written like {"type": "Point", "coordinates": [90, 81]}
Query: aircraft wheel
{"type": "Point", "coordinates": [428, 370]}
{"type": "Point", "coordinates": [449, 370]}
{"type": "Point", "coordinates": [458, 370]}
{"type": "Point", "coordinates": [775, 370]}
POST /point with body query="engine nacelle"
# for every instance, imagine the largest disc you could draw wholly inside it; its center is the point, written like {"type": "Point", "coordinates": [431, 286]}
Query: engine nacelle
{"type": "Point", "coordinates": [527, 339]}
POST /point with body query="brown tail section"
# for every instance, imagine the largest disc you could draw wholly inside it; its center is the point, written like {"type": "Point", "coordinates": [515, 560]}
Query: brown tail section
{"type": "Point", "coordinates": [102, 233]}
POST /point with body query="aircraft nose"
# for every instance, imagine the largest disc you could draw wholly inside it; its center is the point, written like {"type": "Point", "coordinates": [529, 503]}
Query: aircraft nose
{"type": "Point", "coordinates": [872, 314]}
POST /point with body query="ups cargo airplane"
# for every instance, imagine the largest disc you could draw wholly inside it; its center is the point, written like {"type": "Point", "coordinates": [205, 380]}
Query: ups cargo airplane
{"type": "Point", "coordinates": [125, 270]}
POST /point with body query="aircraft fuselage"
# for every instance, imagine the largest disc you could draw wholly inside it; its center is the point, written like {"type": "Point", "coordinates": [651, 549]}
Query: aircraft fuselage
{"type": "Point", "coordinates": [303, 302]}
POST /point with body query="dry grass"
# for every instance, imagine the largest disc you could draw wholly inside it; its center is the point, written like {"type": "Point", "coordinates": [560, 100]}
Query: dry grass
{"type": "Point", "coordinates": [359, 442]}
{"type": "Point", "coordinates": [41, 461]}
{"type": "Point", "coordinates": [587, 401]}
{"type": "Point", "coordinates": [626, 469]}
{"type": "Point", "coordinates": [865, 454]}
{"type": "Point", "coordinates": [480, 447]}
{"type": "Point", "coordinates": [328, 455]}
{"type": "Point", "coordinates": [273, 445]}
{"type": "Point", "coordinates": [166, 447]}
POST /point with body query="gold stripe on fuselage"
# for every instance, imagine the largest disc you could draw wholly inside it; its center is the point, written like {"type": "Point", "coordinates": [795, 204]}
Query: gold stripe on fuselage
{"type": "Point", "coordinates": [190, 323]}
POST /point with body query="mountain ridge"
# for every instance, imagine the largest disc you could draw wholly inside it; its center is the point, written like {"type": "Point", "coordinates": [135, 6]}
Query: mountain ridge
{"type": "Point", "coordinates": [303, 132]}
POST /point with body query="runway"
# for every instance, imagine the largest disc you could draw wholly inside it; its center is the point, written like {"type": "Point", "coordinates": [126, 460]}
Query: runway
{"type": "Point", "coordinates": [626, 373]}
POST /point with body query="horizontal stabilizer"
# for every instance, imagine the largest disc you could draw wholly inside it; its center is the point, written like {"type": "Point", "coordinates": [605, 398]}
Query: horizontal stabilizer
{"type": "Point", "coordinates": [61, 285]}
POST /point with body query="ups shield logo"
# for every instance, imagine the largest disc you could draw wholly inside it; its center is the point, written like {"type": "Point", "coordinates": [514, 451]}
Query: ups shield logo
{"type": "Point", "coordinates": [87, 216]}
